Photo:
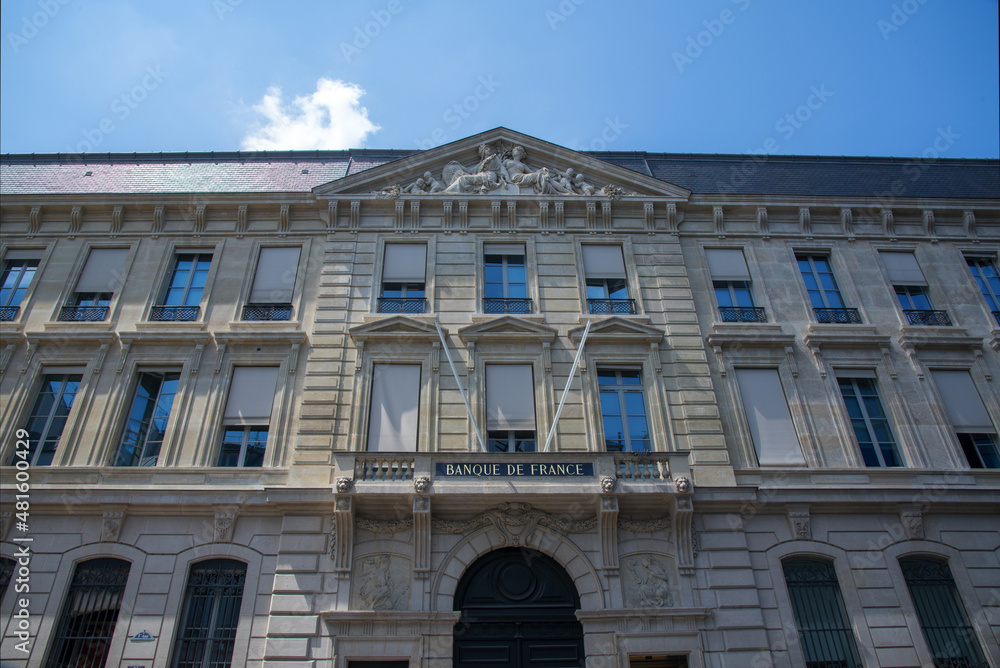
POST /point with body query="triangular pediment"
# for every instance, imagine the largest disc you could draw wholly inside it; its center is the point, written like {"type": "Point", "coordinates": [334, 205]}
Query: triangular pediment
{"type": "Point", "coordinates": [620, 330]}
{"type": "Point", "coordinates": [490, 164]}
{"type": "Point", "coordinates": [396, 327]}
{"type": "Point", "coordinates": [507, 328]}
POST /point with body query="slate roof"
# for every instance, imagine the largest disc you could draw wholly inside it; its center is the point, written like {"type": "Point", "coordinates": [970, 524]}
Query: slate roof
{"type": "Point", "coordinates": [300, 171]}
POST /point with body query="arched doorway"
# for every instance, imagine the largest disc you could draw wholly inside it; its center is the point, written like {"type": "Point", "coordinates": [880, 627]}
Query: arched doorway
{"type": "Point", "coordinates": [518, 610]}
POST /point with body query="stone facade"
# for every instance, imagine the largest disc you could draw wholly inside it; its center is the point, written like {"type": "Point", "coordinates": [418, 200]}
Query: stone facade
{"type": "Point", "coordinates": [354, 554]}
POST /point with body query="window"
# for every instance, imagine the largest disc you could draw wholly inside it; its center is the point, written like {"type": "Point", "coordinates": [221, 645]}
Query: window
{"type": "Point", "coordinates": [768, 417]}
{"type": "Point", "coordinates": [731, 281]}
{"type": "Point", "coordinates": [210, 615]}
{"type": "Point", "coordinates": [824, 295]}
{"type": "Point", "coordinates": [607, 285]}
{"type": "Point", "coordinates": [147, 421]}
{"type": "Point", "coordinates": [969, 418]}
{"type": "Point", "coordinates": [187, 284]}
{"type": "Point", "coordinates": [89, 614]}
{"type": "Point", "coordinates": [100, 279]}
{"type": "Point", "coordinates": [510, 408]}
{"type": "Point", "coordinates": [869, 421]}
{"type": "Point", "coordinates": [247, 416]}
{"type": "Point", "coordinates": [18, 271]}
{"type": "Point", "coordinates": [48, 416]}
{"type": "Point", "coordinates": [403, 279]}
{"type": "Point", "coordinates": [505, 286]}
{"type": "Point", "coordinates": [824, 632]}
{"type": "Point", "coordinates": [985, 273]}
{"type": "Point", "coordinates": [623, 410]}
{"type": "Point", "coordinates": [946, 627]}
{"type": "Point", "coordinates": [393, 419]}
{"type": "Point", "coordinates": [273, 284]}
{"type": "Point", "coordinates": [911, 289]}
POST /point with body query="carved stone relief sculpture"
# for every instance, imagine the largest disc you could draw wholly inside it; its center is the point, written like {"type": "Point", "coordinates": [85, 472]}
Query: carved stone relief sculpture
{"type": "Point", "coordinates": [381, 582]}
{"type": "Point", "coordinates": [647, 582]}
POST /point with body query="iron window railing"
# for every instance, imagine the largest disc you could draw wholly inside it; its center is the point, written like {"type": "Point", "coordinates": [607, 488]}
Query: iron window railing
{"type": "Point", "coordinates": [742, 314]}
{"type": "Point", "coordinates": [267, 311]}
{"type": "Point", "coordinates": [824, 631]}
{"type": "Point", "coordinates": [90, 613]}
{"type": "Point", "coordinates": [924, 317]}
{"type": "Point", "coordinates": [402, 305]}
{"type": "Point", "coordinates": [839, 316]}
{"type": "Point", "coordinates": [174, 313]}
{"type": "Point", "coordinates": [506, 305]}
{"type": "Point", "coordinates": [9, 313]}
{"type": "Point", "coordinates": [83, 313]}
{"type": "Point", "coordinates": [211, 614]}
{"type": "Point", "coordinates": [613, 306]}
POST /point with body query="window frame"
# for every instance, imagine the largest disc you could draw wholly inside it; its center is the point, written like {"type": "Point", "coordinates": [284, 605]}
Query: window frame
{"type": "Point", "coordinates": [811, 256]}
{"type": "Point", "coordinates": [33, 403]}
{"type": "Point", "coordinates": [305, 247]}
{"type": "Point", "coordinates": [130, 407]}
{"type": "Point", "coordinates": [509, 435]}
{"type": "Point", "coordinates": [42, 254]}
{"type": "Point", "coordinates": [68, 295]}
{"type": "Point", "coordinates": [834, 586]}
{"type": "Point", "coordinates": [180, 626]}
{"type": "Point", "coordinates": [631, 279]}
{"type": "Point", "coordinates": [378, 271]}
{"type": "Point", "coordinates": [621, 389]}
{"type": "Point", "coordinates": [421, 383]}
{"type": "Point", "coordinates": [752, 451]}
{"type": "Point", "coordinates": [990, 294]}
{"type": "Point", "coordinates": [6, 269]}
{"type": "Point", "coordinates": [876, 445]}
{"type": "Point", "coordinates": [246, 425]}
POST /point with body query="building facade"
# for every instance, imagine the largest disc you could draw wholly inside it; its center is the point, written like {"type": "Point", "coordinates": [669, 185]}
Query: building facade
{"type": "Point", "coordinates": [499, 403]}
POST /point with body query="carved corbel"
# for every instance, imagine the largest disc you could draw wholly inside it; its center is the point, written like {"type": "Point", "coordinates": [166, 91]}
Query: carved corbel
{"type": "Point", "coordinates": [112, 520]}
{"type": "Point", "coordinates": [683, 538]}
{"type": "Point", "coordinates": [414, 215]}
{"type": "Point", "coordinates": [560, 217]}
{"type": "Point", "coordinates": [609, 531]}
{"type": "Point", "coordinates": [546, 356]}
{"type": "Point", "coordinates": [422, 535]}
{"type": "Point", "coordinates": [648, 220]}
{"type": "Point", "coordinates": [8, 351]}
{"type": "Point", "coordinates": [911, 352]}
{"type": "Point", "coordinates": [470, 348]}
{"type": "Point", "coordinates": [34, 220]}
{"type": "Point", "coordinates": [592, 217]}
{"type": "Point", "coordinates": [355, 216]}
{"type": "Point", "coordinates": [792, 366]}
{"type": "Point", "coordinates": [359, 357]}
{"type": "Point", "coordinates": [654, 355]}
{"type": "Point", "coordinates": [543, 217]}
{"type": "Point", "coordinates": [762, 222]}
{"type": "Point", "coordinates": [929, 229]}
{"type": "Point", "coordinates": [983, 367]}
{"type": "Point", "coordinates": [847, 222]}
{"type": "Point", "coordinates": [447, 216]}
{"type": "Point", "coordinates": [126, 347]}
{"type": "Point", "coordinates": [116, 221]}
{"type": "Point", "coordinates": [495, 216]}
{"type": "Point", "coordinates": [969, 222]}
{"type": "Point", "coordinates": [720, 353]}
{"type": "Point", "coordinates": [342, 535]}
{"type": "Point", "coordinates": [293, 358]}
{"type": "Point", "coordinates": [75, 216]}
{"type": "Point", "coordinates": [672, 218]}
{"type": "Point", "coordinates": [399, 212]}
{"type": "Point", "coordinates": [220, 353]}
{"type": "Point", "coordinates": [511, 215]}
{"type": "Point", "coordinates": [799, 521]}
{"type": "Point", "coordinates": [463, 216]}
{"type": "Point", "coordinates": [435, 356]}
{"type": "Point", "coordinates": [817, 354]}
{"type": "Point", "coordinates": [28, 354]}
{"type": "Point", "coordinates": [331, 212]}
{"type": "Point", "coordinates": [157, 225]}
{"type": "Point", "coordinates": [241, 221]}
{"type": "Point", "coordinates": [805, 221]}
{"type": "Point", "coordinates": [913, 523]}
{"type": "Point", "coordinates": [199, 220]}
{"type": "Point", "coordinates": [718, 220]}
{"type": "Point", "coordinates": [223, 525]}
{"type": "Point", "coordinates": [888, 224]}
{"type": "Point", "coordinates": [283, 219]}
{"type": "Point", "coordinates": [887, 358]}
{"type": "Point", "coordinates": [606, 216]}
{"type": "Point", "coordinates": [98, 359]}
{"type": "Point", "coordinates": [195, 358]}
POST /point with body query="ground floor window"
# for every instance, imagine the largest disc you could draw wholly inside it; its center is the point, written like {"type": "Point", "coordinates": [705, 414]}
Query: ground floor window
{"type": "Point", "coordinates": [211, 614]}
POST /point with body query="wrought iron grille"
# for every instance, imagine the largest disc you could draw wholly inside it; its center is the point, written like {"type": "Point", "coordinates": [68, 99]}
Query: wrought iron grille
{"type": "Point", "coordinates": [174, 313]}
{"type": "Point", "coordinates": [614, 306]}
{"type": "Point", "coordinates": [824, 632]}
{"type": "Point", "coordinates": [839, 316]}
{"type": "Point", "coordinates": [8, 313]}
{"type": "Point", "coordinates": [83, 313]}
{"type": "Point", "coordinates": [6, 571]}
{"type": "Point", "coordinates": [996, 316]}
{"type": "Point", "coordinates": [505, 305]}
{"type": "Point", "coordinates": [402, 305]}
{"type": "Point", "coordinates": [742, 314]}
{"type": "Point", "coordinates": [211, 614]}
{"type": "Point", "coordinates": [267, 311]}
{"type": "Point", "coordinates": [923, 317]}
{"type": "Point", "coordinates": [89, 614]}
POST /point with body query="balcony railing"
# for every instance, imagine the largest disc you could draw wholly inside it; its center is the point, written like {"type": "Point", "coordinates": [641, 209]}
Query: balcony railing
{"type": "Point", "coordinates": [742, 314]}
{"type": "Point", "coordinates": [265, 311]}
{"type": "Point", "coordinates": [404, 305]}
{"type": "Point", "coordinates": [838, 316]}
{"type": "Point", "coordinates": [922, 317]}
{"type": "Point", "coordinates": [8, 313]}
{"type": "Point", "coordinates": [174, 313]}
{"type": "Point", "coordinates": [613, 306]}
{"type": "Point", "coordinates": [505, 305]}
{"type": "Point", "coordinates": [83, 313]}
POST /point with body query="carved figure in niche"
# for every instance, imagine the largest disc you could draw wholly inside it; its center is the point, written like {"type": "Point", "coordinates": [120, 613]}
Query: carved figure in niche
{"type": "Point", "coordinates": [484, 179]}
{"type": "Point", "coordinates": [376, 590]}
{"type": "Point", "coordinates": [651, 582]}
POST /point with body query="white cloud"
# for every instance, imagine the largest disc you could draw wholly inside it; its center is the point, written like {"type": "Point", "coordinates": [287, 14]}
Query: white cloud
{"type": "Point", "coordinates": [330, 118]}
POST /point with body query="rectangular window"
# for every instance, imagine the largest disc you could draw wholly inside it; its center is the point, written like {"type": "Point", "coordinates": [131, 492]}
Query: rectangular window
{"type": "Point", "coordinates": [18, 271]}
{"type": "Point", "coordinates": [147, 421]}
{"type": "Point", "coordinates": [211, 614]}
{"type": "Point", "coordinates": [985, 272]}
{"type": "Point", "coordinates": [273, 285]}
{"type": "Point", "coordinates": [48, 416]}
{"type": "Point", "coordinates": [969, 418]}
{"type": "Point", "coordinates": [824, 631]}
{"type": "Point", "coordinates": [950, 638]}
{"type": "Point", "coordinates": [869, 421]}
{"type": "Point", "coordinates": [100, 279]}
{"type": "Point", "coordinates": [90, 613]}
{"type": "Point", "coordinates": [768, 417]}
{"type": "Point", "coordinates": [395, 408]}
{"type": "Point", "coordinates": [824, 294]}
{"type": "Point", "coordinates": [505, 285]}
{"type": "Point", "coordinates": [403, 279]}
{"type": "Point", "coordinates": [731, 282]}
{"type": "Point", "coordinates": [623, 410]}
{"type": "Point", "coordinates": [247, 416]}
{"type": "Point", "coordinates": [911, 289]}
{"type": "Point", "coordinates": [607, 284]}
{"type": "Point", "coordinates": [184, 292]}
{"type": "Point", "coordinates": [510, 408]}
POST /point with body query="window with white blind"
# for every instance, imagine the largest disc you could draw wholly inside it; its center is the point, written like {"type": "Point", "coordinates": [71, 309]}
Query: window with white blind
{"type": "Point", "coordinates": [505, 284]}
{"type": "Point", "coordinates": [606, 280]}
{"type": "Point", "coordinates": [510, 408]}
{"type": "Point", "coordinates": [731, 282]}
{"type": "Point", "coordinates": [273, 284]}
{"type": "Point", "coordinates": [911, 289]}
{"type": "Point", "coordinates": [99, 281]}
{"type": "Point", "coordinates": [395, 408]}
{"type": "Point", "coordinates": [768, 418]}
{"type": "Point", "coordinates": [404, 271]}
{"type": "Point", "coordinates": [968, 416]}
{"type": "Point", "coordinates": [248, 416]}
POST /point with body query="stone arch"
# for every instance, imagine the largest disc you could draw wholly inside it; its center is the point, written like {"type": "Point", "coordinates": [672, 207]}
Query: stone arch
{"type": "Point", "coordinates": [475, 545]}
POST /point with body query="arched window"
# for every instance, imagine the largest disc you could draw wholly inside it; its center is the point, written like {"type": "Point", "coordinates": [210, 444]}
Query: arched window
{"type": "Point", "coordinates": [210, 614]}
{"type": "Point", "coordinates": [946, 627]}
{"type": "Point", "coordinates": [89, 614]}
{"type": "Point", "coordinates": [824, 632]}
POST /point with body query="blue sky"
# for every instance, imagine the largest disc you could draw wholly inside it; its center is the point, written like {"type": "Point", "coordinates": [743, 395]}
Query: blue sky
{"type": "Point", "coordinates": [852, 77]}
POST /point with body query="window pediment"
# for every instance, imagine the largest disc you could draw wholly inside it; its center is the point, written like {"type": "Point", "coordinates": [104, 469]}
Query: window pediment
{"type": "Point", "coordinates": [618, 330]}
{"type": "Point", "coordinates": [393, 329]}
{"type": "Point", "coordinates": [507, 328]}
